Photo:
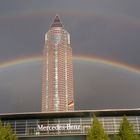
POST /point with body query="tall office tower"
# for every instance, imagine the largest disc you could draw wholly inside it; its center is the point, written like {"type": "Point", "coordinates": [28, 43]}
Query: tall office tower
{"type": "Point", "coordinates": [57, 86]}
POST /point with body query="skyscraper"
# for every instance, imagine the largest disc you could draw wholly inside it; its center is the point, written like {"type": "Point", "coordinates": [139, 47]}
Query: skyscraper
{"type": "Point", "coordinates": [57, 85]}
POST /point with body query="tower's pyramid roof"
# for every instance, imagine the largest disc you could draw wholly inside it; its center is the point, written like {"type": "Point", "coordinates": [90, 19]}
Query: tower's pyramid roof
{"type": "Point", "coordinates": [56, 22]}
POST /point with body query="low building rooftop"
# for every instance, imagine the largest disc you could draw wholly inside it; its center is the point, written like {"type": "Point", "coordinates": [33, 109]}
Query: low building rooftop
{"type": "Point", "coordinates": [76, 113]}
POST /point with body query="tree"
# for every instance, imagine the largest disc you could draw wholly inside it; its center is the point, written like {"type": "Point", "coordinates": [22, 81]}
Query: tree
{"type": "Point", "coordinates": [6, 133]}
{"type": "Point", "coordinates": [96, 131]}
{"type": "Point", "coordinates": [126, 131]}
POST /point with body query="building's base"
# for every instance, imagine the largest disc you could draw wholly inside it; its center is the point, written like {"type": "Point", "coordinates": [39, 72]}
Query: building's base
{"type": "Point", "coordinates": [55, 138]}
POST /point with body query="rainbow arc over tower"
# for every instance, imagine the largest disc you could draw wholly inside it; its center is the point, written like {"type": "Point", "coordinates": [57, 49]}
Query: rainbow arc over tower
{"type": "Point", "coordinates": [57, 81]}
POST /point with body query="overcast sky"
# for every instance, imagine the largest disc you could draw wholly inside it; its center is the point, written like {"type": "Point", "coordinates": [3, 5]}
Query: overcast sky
{"type": "Point", "coordinates": [105, 28]}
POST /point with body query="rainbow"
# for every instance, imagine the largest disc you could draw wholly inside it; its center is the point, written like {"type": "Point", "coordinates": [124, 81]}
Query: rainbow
{"type": "Point", "coordinates": [28, 13]}
{"type": "Point", "coordinates": [92, 59]}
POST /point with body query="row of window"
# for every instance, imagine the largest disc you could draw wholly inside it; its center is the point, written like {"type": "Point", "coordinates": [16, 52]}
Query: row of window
{"type": "Point", "coordinates": [110, 124]}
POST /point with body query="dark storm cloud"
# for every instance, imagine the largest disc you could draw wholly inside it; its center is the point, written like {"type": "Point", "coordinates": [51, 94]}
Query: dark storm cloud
{"type": "Point", "coordinates": [107, 36]}
{"type": "Point", "coordinates": [20, 88]}
{"type": "Point", "coordinates": [101, 87]}
{"type": "Point", "coordinates": [119, 7]}
{"type": "Point", "coordinates": [113, 39]}
{"type": "Point", "coordinates": [96, 35]}
{"type": "Point", "coordinates": [105, 87]}
{"type": "Point", "coordinates": [106, 28]}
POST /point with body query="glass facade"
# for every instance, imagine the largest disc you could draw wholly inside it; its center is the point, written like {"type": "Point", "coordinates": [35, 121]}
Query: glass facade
{"type": "Point", "coordinates": [66, 126]}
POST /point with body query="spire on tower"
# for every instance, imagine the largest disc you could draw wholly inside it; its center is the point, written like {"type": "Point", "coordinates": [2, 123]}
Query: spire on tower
{"type": "Point", "coordinates": [56, 22]}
